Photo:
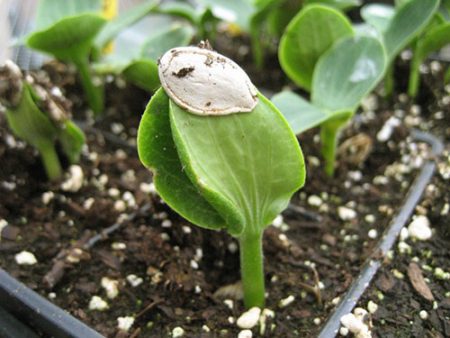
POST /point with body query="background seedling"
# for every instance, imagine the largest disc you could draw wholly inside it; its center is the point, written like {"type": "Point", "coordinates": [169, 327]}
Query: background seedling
{"type": "Point", "coordinates": [35, 117]}
{"type": "Point", "coordinates": [336, 91]}
{"type": "Point", "coordinates": [235, 172]}
{"type": "Point", "coordinates": [307, 37]}
{"type": "Point", "coordinates": [137, 61]}
{"type": "Point", "coordinates": [399, 29]}
{"type": "Point", "coordinates": [70, 31]}
{"type": "Point", "coordinates": [67, 31]}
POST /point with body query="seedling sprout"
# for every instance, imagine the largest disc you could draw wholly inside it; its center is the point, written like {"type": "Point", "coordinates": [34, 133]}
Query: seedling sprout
{"type": "Point", "coordinates": [224, 157]}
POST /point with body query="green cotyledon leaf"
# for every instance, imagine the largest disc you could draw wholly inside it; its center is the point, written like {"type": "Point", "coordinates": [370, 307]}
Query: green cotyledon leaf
{"type": "Point", "coordinates": [307, 37]}
{"type": "Point", "coordinates": [157, 151]}
{"type": "Point", "coordinates": [409, 20]}
{"type": "Point", "coordinates": [347, 72]}
{"type": "Point", "coordinates": [69, 39]}
{"type": "Point", "coordinates": [300, 114]}
{"type": "Point", "coordinates": [246, 165]}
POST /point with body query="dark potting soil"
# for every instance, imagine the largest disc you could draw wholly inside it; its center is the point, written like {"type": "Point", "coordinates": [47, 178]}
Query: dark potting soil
{"type": "Point", "coordinates": [171, 274]}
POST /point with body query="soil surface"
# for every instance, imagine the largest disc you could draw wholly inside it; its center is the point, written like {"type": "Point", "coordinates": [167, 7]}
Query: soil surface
{"type": "Point", "coordinates": [170, 274]}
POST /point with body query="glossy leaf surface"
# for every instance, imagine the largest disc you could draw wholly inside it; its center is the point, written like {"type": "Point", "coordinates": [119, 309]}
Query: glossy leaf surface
{"type": "Point", "coordinates": [433, 40]}
{"type": "Point", "coordinates": [409, 20]}
{"type": "Point", "coordinates": [378, 15]}
{"type": "Point", "coordinates": [51, 11]}
{"type": "Point", "coordinates": [114, 26]}
{"type": "Point", "coordinates": [246, 165]}
{"type": "Point", "coordinates": [176, 36]}
{"type": "Point", "coordinates": [143, 73]}
{"type": "Point", "coordinates": [338, 4]}
{"type": "Point", "coordinates": [237, 11]}
{"type": "Point", "coordinates": [308, 36]}
{"type": "Point", "coordinates": [157, 151]}
{"type": "Point", "coordinates": [70, 38]}
{"type": "Point", "coordinates": [347, 72]}
{"type": "Point", "coordinates": [300, 114]}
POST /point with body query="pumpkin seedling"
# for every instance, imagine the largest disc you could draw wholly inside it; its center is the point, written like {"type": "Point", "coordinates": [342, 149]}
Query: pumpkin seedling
{"type": "Point", "coordinates": [307, 37]}
{"type": "Point", "coordinates": [336, 91]}
{"type": "Point", "coordinates": [72, 30]}
{"type": "Point", "coordinates": [222, 155]}
{"type": "Point", "coordinates": [399, 27]}
{"type": "Point", "coordinates": [38, 117]}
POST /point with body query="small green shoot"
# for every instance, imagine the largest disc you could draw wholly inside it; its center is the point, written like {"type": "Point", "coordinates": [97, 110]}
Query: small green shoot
{"type": "Point", "coordinates": [223, 159]}
{"type": "Point", "coordinates": [431, 41]}
{"type": "Point", "coordinates": [34, 116]}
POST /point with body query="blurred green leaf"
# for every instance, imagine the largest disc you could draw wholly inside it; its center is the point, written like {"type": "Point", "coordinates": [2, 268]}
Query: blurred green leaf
{"type": "Point", "coordinates": [116, 25]}
{"type": "Point", "coordinates": [307, 37]}
{"type": "Point", "coordinates": [236, 11]}
{"type": "Point", "coordinates": [300, 114]}
{"type": "Point", "coordinates": [409, 20]}
{"type": "Point", "coordinates": [159, 43]}
{"type": "Point", "coordinates": [157, 152]}
{"type": "Point", "coordinates": [143, 73]}
{"type": "Point", "coordinates": [378, 15]}
{"type": "Point", "coordinates": [51, 11]}
{"type": "Point", "coordinates": [342, 5]}
{"type": "Point", "coordinates": [433, 40]}
{"type": "Point", "coordinates": [347, 72]}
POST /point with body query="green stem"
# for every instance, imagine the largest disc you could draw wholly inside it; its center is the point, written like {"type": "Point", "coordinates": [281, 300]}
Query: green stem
{"type": "Point", "coordinates": [252, 270]}
{"type": "Point", "coordinates": [50, 160]}
{"type": "Point", "coordinates": [389, 81]}
{"type": "Point", "coordinates": [94, 94]}
{"type": "Point", "coordinates": [329, 135]}
{"type": "Point", "coordinates": [414, 77]}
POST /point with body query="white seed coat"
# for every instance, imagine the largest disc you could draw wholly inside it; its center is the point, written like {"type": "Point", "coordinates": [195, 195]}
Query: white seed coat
{"type": "Point", "coordinates": [205, 82]}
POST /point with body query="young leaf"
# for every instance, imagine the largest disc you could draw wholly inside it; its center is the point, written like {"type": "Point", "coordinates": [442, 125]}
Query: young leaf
{"type": "Point", "coordinates": [119, 23]}
{"type": "Point", "coordinates": [31, 125]}
{"type": "Point", "coordinates": [343, 76]}
{"type": "Point", "coordinates": [236, 11]}
{"type": "Point", "coordinates": [161, 42]}
{"type": "Point", "coordinates": [378, 15]}
{"type": "Point", "coordinates": [243, 164]}
{"type": "Point", "coordinates": [51, 11]}
{"type": "Point", "coordinates": [250, 162]}
{"type": "Point", "coordinates": [67, 30]}
{"type": "Point", "coordinates": [300, 114]}
{"type": "Point", "coordinates": [34, 116]}
{"type": "Point", "coordinates": [72, 140]}
{"type": "Point", "coordinates": [157, 152]}
{"type": "Point", "coordinates": [433, 40]}
{"type": "Point", "coordinates": [308, 36]}
{"type": "Point", "coordinates": [408, 21]}
{"type": "Point", "coordinates": [143, 73]}
{"type": "Point", "coordinates": [347, 72]}
{"type": "Point", "coordinates": [342, 5]}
